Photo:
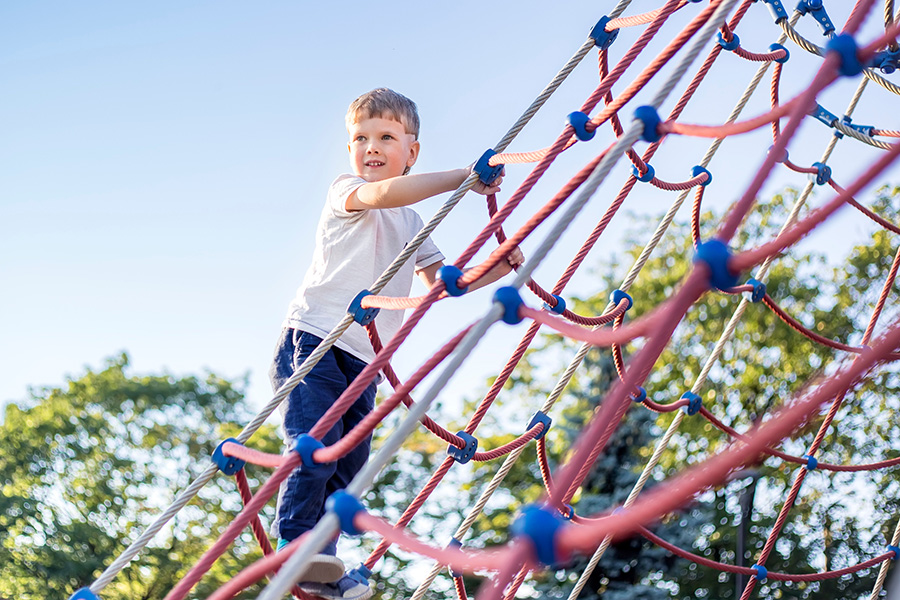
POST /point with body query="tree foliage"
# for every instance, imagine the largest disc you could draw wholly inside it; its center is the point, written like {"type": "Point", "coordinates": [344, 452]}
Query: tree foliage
{"type": "Point", "coordinates": [86, 467]}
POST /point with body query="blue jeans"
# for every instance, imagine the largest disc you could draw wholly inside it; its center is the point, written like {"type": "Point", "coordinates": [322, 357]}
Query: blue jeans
{"type": "Point", "coordinates": [301, 499]}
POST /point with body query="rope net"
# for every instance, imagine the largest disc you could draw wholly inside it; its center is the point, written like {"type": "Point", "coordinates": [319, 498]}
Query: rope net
{"type": "Point", "coordinates": [554, 530]}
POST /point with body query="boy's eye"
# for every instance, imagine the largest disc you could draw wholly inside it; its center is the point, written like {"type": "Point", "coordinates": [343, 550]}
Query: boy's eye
{"type": "Point", "coordinates": [360, 138]}
{"type": "Point", "coordinates": [387, 137]}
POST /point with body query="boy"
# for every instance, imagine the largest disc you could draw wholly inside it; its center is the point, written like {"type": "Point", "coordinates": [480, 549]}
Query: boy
{"type": "Point", "coordinates": [364, 225]}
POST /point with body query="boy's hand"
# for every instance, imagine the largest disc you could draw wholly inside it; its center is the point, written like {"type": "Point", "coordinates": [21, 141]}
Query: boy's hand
{"type": "Point", "coordinates": [486, 190]}
{"type": "Point", "coordinates": [515, 258]}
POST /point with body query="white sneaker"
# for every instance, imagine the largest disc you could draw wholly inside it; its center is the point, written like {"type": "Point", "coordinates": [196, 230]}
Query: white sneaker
{"type": "Point", "coordinates": [323, 568]}
{"type": "Point", "coordinates": [343, 589]}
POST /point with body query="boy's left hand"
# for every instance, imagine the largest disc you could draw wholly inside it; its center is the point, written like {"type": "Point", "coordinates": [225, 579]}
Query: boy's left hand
{"type": "Point", "coordinates": [515, 258]}
{"type": "Point", "coordinates": [487, 190]}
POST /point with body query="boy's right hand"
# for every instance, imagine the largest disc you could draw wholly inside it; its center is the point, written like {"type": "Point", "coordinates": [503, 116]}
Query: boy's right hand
{"type": "Point", "coordinates": [483, 189]}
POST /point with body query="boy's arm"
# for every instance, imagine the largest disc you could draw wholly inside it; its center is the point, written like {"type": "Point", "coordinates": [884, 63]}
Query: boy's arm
{"type": "Point", "coordinates": [409, 189]}
{"type": "Point", "coordinates": [428, 274]}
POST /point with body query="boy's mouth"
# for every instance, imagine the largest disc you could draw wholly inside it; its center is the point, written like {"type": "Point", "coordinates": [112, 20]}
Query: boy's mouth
{"type": "Point", "coordinates": [374, 163]}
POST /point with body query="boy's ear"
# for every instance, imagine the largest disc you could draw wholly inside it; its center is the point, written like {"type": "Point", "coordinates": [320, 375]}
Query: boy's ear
{"type": "Point", "coordinates": [413, 153]}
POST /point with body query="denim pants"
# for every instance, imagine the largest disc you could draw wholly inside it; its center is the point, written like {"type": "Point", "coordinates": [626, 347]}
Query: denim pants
{"type": "Point", "coordinates": [301, 499]}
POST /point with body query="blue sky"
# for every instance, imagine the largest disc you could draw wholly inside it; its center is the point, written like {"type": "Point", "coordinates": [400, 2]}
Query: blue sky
{"type": "Point", "coordinates": [162, 165]}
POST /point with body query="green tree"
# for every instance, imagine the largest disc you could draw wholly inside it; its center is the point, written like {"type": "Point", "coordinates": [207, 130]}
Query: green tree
{"type": "Point", "coordinates": [85, 467]}
{"type": "Point", "coordinates": [764, 364]}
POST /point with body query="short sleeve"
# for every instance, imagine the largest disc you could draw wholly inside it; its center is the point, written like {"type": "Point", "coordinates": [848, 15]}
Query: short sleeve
{"type": "Point", "coordinates": [340, 190]}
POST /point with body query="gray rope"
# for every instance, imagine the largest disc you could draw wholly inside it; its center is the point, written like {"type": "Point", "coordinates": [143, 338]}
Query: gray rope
{"type": "Point", "coordinates": [188, 493]}
{"type": "Point", "coordinates": [288, 575]}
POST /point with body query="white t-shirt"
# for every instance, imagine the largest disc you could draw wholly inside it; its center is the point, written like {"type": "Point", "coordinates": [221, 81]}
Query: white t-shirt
{"type": "Point", "coordinates": [352, 250]}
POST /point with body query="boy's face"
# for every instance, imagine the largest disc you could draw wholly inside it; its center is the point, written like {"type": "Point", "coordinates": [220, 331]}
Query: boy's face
{"type": "Point", "coordinates": [380, 148]}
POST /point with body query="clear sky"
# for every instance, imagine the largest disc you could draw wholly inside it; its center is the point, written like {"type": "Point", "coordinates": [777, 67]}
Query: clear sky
{"type": "Point", "coordinates": [163, 165]}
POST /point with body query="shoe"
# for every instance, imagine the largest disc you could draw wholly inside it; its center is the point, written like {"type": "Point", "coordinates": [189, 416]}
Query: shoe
{"type": "Point", "coordinates": [343, 589]}
{"type": "Point", "coordinates": [323, 568]}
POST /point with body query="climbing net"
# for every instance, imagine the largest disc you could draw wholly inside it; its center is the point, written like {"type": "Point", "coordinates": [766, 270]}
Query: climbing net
{"type": "Point", "coordinates": [550, 532]}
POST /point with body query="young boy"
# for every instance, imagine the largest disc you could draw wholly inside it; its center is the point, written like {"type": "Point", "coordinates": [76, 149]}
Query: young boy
{"type": "Point", "coordinates": [364, 225]}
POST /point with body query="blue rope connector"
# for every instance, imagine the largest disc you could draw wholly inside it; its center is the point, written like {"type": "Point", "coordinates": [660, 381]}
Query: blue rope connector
{"type": "Point", "coordinates": [455, 543]}
{"type": "Point", "coordinates": [569, 514]}
{"type": "Point", "coordinates": [450, 275]}
{"type": "Point", "coordinates": [540, 417]}
{"type": "Point", "coordinates": [560, 307]}
{"type": "Point", "coordinates": [463, 455]}
{"type": "Point", "coordinates": [509, 297]}
{"type": "Point", "coordinates": [891, 548]}
{"type": "Point", "coordinates": [887, 61]}
{"type": "Point", "coordinates": [759, 290]}
{"type": "Point", "coordinates": [845, 47]}
{"type": "Point", "coordinates": [83, 594]}
{"type": "Point", "coordinates": [784, 154]}
{"type": "Point", "coordinates": [716, 256]}
{"type": "Point", "coordinates": [361, 315]}
{"type": "Point", "coordinates": [761, 572]}
{"type": "Point", "coordinates": [229, 465]}
{"type": "Point", "coordinates": [777, 9]}
{"type": "Point", "coordinates": [346, 506]}
{"type": "Point", "coordinates": [360, 574]}
{"type": "Point", "coordinates": [650, 118]}
{"type": "Point", "coordinates": [697, 170]}
{"type": "Point", "coordinates": [486, 173]}
{"type": "Point", "coordinates": [618, 295]}
{"type": "Point", "coordinates": [695, 403]}
{"type": "Point", "coordinates": [730, 46]}
{"type": "Point", "coordinates": [647, 176]}
{"type": "Point", "coordinates": [540, 526]}
{"type": "Point", "coordinates": [775, 47]}
{"type": "Point", "coordinates": [811, 462]}
{"type": "Point", "coordinates": [603, 39]}
{"type": "Point", "coordinates": [817, 9]}
{"type": "Point", "coordinates": [305, 446]}
{"type": "Point", "coordinates": [823, 173]}
{"type": "Point", "coordinates": [640, 396]}
{"type": "Point", "coordinates": [578, 121]}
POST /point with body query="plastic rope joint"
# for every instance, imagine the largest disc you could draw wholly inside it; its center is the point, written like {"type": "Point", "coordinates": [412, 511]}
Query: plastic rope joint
{"type": "Point", "coordinates": [816, 8]}
{"type": "Point", "coordinates": [560, 306]}
{"type": "Point", "coordinates": [579, 121]}
{"type": "Point", "coordinates": [648, 175]}
{"type": "Point", "coordinates": [650, 118]}
{"type": "Point", "coordinates": [83, 594]}
{"type": "Point", "coordinates": [509, 297]}
{"type": "Point", "coordinates": [759, 290]}
{"type": "Point", "coordinates": [823, 173]}
{"type": "Point", "coordinates": [361, 315]}
{"type": "Point", "coordinates": [695, 403]}
{"type": "Point", "coordinates": [540, 527]}
{"type": "Point", "coordinates": [891, 548]}
{"type": "Point", "coordinates": [486, 173]}
{"type": "Point", "coordinates": [640, 396]}
{"type": "Point", "coordinates": [464, 454]}
{"type": "Point", "coordinates": [540, 417]}
{"type": "Point", "coordinates": [777, 47]}
{"type": "Point", "coordinates": [229, 465]}
{"type": "Point", "coordinates": [305, 446]}
{"type": "Point", "coordinates": [811, 462]}
{"type": "Point", "coordinates": [887, 61]}
{"type": "Point", "coordinates": [454, 543]}
{"type": "Point", "coordinates": [761, 572]}
{"type": "Point", "coordinates": [732, 45]}
{"type": "Point", "coordinates": [697, 170]}
{"type": "Point", "coordinates": [716, 256]}
{"type": "Point", "coordinates": [845, 47]}
{"type": "Point", "coordinates": [346, 506]}
{"type": "Point", "coordinates": [618, 295]}
{"type": "Point", "coordinates": [450, 275]}
{"type": "Point", "coordinates": [777, 9]}
{"type": "Point", "coordinates": [603, 39]}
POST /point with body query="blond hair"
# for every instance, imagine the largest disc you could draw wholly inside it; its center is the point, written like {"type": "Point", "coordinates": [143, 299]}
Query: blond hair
{"type": "Point", "coordinates": [386, 104]}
